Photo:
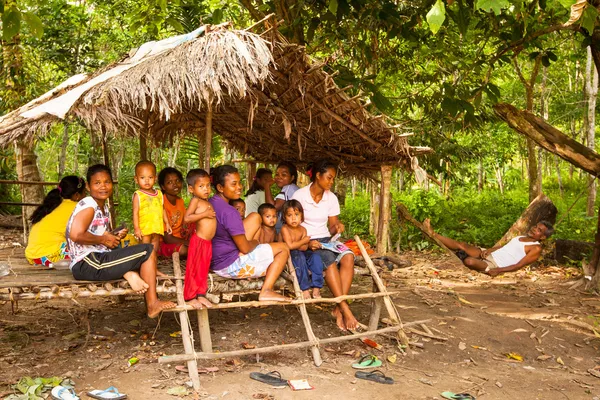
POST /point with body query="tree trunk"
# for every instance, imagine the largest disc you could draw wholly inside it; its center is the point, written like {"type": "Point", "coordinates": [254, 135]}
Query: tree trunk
{"type": "Point", "coordinates": [480, 175]}
{"type": "Point", "coordinates": [540, 209]}
{"type": "Point", "coordinates": [63, 150]}
{"type": "Point", "coordinates": [373, 209]}
{"type": "Point", "coordinates": [591, 92]}
{"type": "Point", "coordinates": [500, 180]}
{"type": "Point", "coordinates": [27, 170]}
{"type": "Point", "coordinates": [558, 176]}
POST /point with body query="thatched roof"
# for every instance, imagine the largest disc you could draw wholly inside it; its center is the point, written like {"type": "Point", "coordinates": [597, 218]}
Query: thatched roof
{"type": "Point", "coordinates": [269, 99]}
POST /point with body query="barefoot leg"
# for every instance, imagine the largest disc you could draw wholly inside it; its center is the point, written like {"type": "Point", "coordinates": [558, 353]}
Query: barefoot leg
{"type": "Point", "coordinates": [305, 294]}
{"type": "Point", "coordinates": [136, 282]}
{"type": "Point", "coordinates": [148, 274]}
{"type": "Point", "coordinates": [200, 303]}
{"type": "Point", "coordinates": [472, 251]}
{"type": "Point", "coordinates": [316, 293]}
{"type": "Point", "coordinates": [280, 257]}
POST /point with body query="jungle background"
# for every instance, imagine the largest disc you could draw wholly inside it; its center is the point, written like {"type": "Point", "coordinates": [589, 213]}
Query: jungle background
{"type": "Point", "coordinates": [436, 67]}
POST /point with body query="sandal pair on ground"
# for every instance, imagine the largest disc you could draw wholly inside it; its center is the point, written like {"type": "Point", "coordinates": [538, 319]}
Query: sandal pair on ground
{"type": "Point", "coordinates": [274, 378]}
{"type": "Point", "coordinates": [65, 393]}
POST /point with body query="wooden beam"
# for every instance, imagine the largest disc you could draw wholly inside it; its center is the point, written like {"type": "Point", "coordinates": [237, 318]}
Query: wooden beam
{"type": "Point", "coordinates": [384, 210]}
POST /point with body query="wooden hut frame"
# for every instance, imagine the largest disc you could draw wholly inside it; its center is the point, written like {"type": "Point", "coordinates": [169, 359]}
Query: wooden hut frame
{"type": "Point", "coordinates": [265, 97]}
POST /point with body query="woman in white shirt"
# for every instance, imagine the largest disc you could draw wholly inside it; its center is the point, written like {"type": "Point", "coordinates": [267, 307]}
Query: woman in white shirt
{"type": "Point", "coordinates": [260, 191]}
{"type": "Point", "coordinates": [321, 211]}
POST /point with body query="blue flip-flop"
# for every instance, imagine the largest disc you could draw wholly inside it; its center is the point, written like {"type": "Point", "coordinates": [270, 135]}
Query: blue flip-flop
{"type": "Point", "coordinates": [112, 393]}
{"type": "Point", "coordinates": [63, 393]}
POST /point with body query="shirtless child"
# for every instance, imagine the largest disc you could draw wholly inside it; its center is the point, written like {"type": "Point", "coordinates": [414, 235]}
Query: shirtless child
{"type": "Point", "coordinates": [294, 235]}
{"type": "Point", "coordinates": [202, 214]}
{"type": "Point", "coordinates": [267, 232]}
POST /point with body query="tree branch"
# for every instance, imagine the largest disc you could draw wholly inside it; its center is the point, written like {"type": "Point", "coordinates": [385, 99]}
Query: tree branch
{"type": "Point", "coordinates": [254, 12]}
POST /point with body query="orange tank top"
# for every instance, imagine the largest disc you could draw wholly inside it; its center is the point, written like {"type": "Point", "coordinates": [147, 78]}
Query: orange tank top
{"type": "Point", "coordinates": [175, 215]}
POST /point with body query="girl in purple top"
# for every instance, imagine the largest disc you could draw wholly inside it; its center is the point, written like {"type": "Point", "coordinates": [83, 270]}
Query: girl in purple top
{"type": "Point", "coordinates": [235, 254]}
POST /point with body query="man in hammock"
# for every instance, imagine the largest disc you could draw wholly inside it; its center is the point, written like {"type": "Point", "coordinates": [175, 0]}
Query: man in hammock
{"type": "Point", "coordinates": [516, 254]}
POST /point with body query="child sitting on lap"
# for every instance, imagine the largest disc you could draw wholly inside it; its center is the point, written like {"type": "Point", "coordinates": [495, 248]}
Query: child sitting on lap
{"type": "Point", "coordinates": [239, 205]}
{"type": "Point", "coordinates": [266, 233]}
{"type": "Point", "coordinates": [202, 214]}
{"type": "Point", "coordinates": [148, 213]}
{"type": "Point", "coordinates": [170, 181]}
{"type": "Point", "coordinates": [294, 235]}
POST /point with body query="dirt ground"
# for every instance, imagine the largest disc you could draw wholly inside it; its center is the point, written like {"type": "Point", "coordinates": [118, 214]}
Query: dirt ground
{"type": "Point", "coordinates": [478, 321]}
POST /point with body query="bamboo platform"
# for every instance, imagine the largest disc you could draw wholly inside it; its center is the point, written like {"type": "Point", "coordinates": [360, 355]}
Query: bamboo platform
{"type": "Point", "coordinates": [26, 282]}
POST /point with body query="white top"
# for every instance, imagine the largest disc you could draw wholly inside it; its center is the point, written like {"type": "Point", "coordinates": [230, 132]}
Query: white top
{"type": "Point", "coordinates": [287, 192]}
{"type": "Point", "coordinates": [254, 201]}
{"type": "Point", "coordinates": [100, 224]}
{"type": "Point", "coordinates": [512, 252]}
{"type": "Point", "coordinates": [316, 215]}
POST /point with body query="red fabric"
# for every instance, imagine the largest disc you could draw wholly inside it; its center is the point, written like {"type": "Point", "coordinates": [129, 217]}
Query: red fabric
{"type": "Point", "coordinates": [197, 265]}
{"type": "Point", "coordinates": [167, 249]}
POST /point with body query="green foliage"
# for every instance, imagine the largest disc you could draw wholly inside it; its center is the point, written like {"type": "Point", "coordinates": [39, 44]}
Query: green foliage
{"type": "Point", "coordinates": [355, 216]}
{"type": "Point", "coordinates": [436, 16]}
{"type": "Point", "coordinates": [36, 388]}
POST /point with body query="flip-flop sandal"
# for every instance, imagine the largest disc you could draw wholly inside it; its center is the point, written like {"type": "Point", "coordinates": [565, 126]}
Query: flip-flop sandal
{"type": "Point", "coordinates": [457, 396]}
{"type": "Point", "coordinates": [375, 376]}
{"type": "Point", "coordinates": [368, 361]}
{"type": "Point", "coordinates": [112, 393]}
{"type": "Point", "coordinates": [63, 393]}
{"type": "Point", "coordinates": [273, 378]}
{"type": "Point", "coordinates": [184, 369]}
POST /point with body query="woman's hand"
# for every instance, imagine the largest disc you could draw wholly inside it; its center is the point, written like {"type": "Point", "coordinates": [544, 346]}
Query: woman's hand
{"type": "Point", "coordinates": [109, 240]}
{"type": "Point", "coordinates": [269, 181]}
{"type": "Point", "coordinates": [122, 233]}
{"type": "Point", "coordinates": [314, 245]}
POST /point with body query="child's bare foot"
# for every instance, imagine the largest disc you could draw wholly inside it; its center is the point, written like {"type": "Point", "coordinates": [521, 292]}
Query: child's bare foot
{"type": "Point", "coordinates": [339, 318]}
{"type": "Point", "coordinates": [316, 293]}
{"type": "Point", "coordinates": [305, 294]}
{"type": "Point", "coordinates": [136, 282]}
{"type": "Point", "coordinates": [427, 226]}
{"type": "Point", "coordinates": [270, 295]}
{"type": "Point", "coordinates": [350, 322]}
{"type": "Point", "coordinates": [159, 306]}
{"type": "Point", "coordinates": [200, 303]}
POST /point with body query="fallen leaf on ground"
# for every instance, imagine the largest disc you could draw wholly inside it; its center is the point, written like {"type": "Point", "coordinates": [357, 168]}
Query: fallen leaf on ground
{"type": "Point", "coordinates": [135, 322]}
{"type": "Point", "coordinates": [234, 361]}
{"type": "Point", "coordinates": [514, 356]}
{"type": "Point", "coordinates": [263, 315]}
{"type": "Point", "coordinates": [544, 357]}
{"type": "Point", "coordinates": [499, 384]}
{"type": "Point", "coordinates": [333, 371]}
{"type": "Point", "coordinates": [479, 347]}
{"type": "Point", "coordinates": [392, 358]}
{"type": "Point", "coordinates": [462, 300]}
{"type": "Point", "coordinates": [519, 330]}
{"type": "Point", "coordinates": [175, 334]}
{"type": "Point", "coordinates": [133, 361]}
{"type": "Point", "coordinates": [462, 346]}
{"type": "Point", "coordinates": [179, 391]}
{"type": "Point", "coordinates": [247, 345]}
{"type": "Point", "coordinates": [560, 361]}
{"type": "Point", "coordinates": [426, 381]}
{"type": "Point", "coordinates": [594, 372]}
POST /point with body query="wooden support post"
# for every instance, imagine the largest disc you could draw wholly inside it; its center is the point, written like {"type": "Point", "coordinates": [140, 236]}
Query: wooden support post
{"type": "Point", "coordinates": [208, 138]}
{"type": "Point", "coordinates": [375, 310]}
{"type": "Point", "coordinates": [384, 209]}
{"type": "Point", "coordinates": [251, 173]}
{"type": "Point", "coordinates": [377, 280]}
{"type": "Point", "coordinates": [143, 144]}
{"type": "Point", "coordinates": [204, 331]}
{"type": "Point", "coordinates": [188, 345]}
{"type": "Point", "coordinates": [106, 160]}
{"type": "Point", "coordinates": [305, 319]}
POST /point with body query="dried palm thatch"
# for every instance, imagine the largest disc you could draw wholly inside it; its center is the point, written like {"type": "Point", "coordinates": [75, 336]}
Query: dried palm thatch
{"type": "Point", "coordinates": [269, 100]}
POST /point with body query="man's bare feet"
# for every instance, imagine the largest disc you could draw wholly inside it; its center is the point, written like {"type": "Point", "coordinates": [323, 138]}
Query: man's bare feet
{"type": "Point", "coordinates": [159, 306]}
{"type": "Point", "coordinates": [427, 227]}
{"type": "Point", "coordinates": [200, 303]}
{"type": "Point", "coordinates": [316, 293]}
{"type": "Point", "coordinates": [350, 321]}
{"type": "Point", "coordinates": [270, 295]}
{"type": "Point", "coordinates": [305, 294]}
{"type": "Point", "coordinates": [339, 318]}
{"type": "Point", "coordinates": [136, 282]}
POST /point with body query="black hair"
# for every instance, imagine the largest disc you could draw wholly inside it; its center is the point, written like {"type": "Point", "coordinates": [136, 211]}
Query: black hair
{"type": "Point", "coordinates": [293, 204]}
{"type": "Point", "coordinates": [549, 228]}
{"type": "Point", "coordinates": [194, 174]}
{"type": "Point", "coordinates": [67, 188]}
{"type": "Point", "coordinates": [94, 169]}
{"type": "Point", "coordinates": [291, 168]}
{"type": "Point", "coordinates": [162, 175]}
{"type": "Point", "coordinates": [320, 166]}
{"type": "Point", "coordinates": [259, 175]}
{"type": "Point", "coordinates": [234, 201]}
{"type": "Point", "coordinates": [219, 174]}
{"type": "Point", "coordinates": [144, 163]}
{"type": "Point", "coordinates": [264, 207]}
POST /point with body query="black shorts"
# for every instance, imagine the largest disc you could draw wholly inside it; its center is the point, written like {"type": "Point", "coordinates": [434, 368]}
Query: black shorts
{"type": "Point", "coordinates": [111, 265]}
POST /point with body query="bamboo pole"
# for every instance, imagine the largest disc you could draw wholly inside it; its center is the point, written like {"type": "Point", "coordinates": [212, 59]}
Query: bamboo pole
{"type": "Point", "coordinates": [188, 345]}
{"type": "Point", "coordinates": [375, 311]}
{"type": "Point", "coordinates": [296, 302]}
{"type": "Point", "coordinates": [386, 299]}
{"type": "Point", "coordinates": [290, 346]}
{"type": "Point", "coordinates": [68, 294]}
{"type": "Point", "coordinates": [305, 319]}
{"type": "Point", "coordinates": [208, 137]}
{"type": "Point", "coordinates": [384, 209]}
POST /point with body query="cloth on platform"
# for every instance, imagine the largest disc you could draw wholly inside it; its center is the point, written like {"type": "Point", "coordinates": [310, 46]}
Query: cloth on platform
{"type": "Point", "coordinates": [196, 268]}
{"type": "Point", "coordinates": [229, 224]}
{"type": "Point", "coordinates": [305, 262]}
{"type": "Point", "coordinates": [47, 243]}
{"type": "Point", "coordinates": [100, 224]}
{"type": "Point", "coordinates": [150, 212]}
{"type": "Point", "coordinates": [254, 201]}
{"type": "Point", "coordinates": [111, 265]}
{"type": "Point", "coordinates": [316, 215]}
{"type": "Point", "coordinates": [251, 265]}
